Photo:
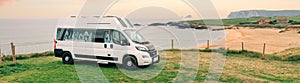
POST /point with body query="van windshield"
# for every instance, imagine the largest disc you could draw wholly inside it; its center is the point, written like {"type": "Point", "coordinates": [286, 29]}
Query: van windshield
{"type": "Point", "coordinates": [136, 37]}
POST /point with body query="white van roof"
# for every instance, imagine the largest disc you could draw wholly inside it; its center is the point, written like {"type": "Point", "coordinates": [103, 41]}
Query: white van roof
{"type": "Point", "coordinates": [105, 22]}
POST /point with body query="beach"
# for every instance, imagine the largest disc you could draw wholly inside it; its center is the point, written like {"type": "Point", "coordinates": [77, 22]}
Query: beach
{"type": "Point", "coordinates": [254, 40]}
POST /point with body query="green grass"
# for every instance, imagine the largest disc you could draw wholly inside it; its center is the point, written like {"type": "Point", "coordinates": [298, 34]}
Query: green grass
{"type": "Point", "coordinates": [239, 68]}
{"type": "Point", "coordinates": [42, 69]}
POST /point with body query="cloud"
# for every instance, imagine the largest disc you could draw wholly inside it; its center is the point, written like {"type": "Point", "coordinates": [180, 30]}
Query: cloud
{"type": "Point", "coordinates": [5, 2]}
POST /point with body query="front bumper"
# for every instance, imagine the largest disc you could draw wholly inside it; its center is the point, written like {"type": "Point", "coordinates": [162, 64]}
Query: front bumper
{"type": "Point", "coordinates": [154, 55]}
{"type": "Point", "coordinates": [152, 59]}
{"type": "Point", "coordinates": [156, 59]}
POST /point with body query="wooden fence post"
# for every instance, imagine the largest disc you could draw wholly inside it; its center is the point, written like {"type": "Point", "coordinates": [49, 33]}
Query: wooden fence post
{"type": "Point", "coordinates": [13, 50]}
{"type": "Point", "coordinates": [207, 44]}
{"type": "Point", "coordinates": [264, 49]}
{"type": "Point", "coordinates": [243, 46]}
{"type": "Point", "coordinates": [172, 44]}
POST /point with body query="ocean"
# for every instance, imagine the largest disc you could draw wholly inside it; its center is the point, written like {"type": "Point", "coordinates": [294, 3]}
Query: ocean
{"type": "Point", "coordinates": [37, 35]}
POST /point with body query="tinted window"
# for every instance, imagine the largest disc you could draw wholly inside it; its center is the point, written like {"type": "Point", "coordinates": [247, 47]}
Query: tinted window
{"type": "Point", "coordinates": [103, 36]}
{"type": "Point", "coordinates": [59, 33]}
{"type": "Point", "coordinates": [68, 34]}
{"type": "Point", "coordinates": [123, 40]}
{"type": "Point", "coordinates": [86, 35]}
{"type": "Point", "coordinates": [116, 37]}
{"type": "Point", "coordinates": [119, 38]}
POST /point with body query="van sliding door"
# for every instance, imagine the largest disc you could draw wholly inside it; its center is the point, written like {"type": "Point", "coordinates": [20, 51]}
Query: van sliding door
{"type": "Point", "coordinates": [103, 45]}
{"type": "Point", "coordinates": [83, 46]}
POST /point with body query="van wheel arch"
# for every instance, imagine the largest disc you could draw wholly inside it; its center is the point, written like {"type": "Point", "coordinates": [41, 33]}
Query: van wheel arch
{"type": "Point", "coordinates": [129, 63]}
{"type": "Point", "coordinates": [131, 56]}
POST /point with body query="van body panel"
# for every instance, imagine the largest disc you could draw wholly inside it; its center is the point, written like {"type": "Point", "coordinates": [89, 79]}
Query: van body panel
{"type": "Point", "coordinates": [104, 41]}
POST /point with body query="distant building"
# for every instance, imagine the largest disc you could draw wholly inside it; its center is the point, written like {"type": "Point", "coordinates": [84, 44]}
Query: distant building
{"type": "Point", "coordinates": [263, 21]}
{"type": "Point", "coordinates": [282, 20]}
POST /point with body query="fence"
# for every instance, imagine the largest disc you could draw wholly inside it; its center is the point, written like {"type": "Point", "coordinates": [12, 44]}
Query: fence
{"type": "Point", "coordinates": [264, 48]}
{"type": "Point", "coordinates": [261, 47]}
{"type": "Point", "coordinates": [10, 49]}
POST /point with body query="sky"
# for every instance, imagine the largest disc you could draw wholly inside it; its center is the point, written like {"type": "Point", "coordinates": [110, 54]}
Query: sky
{"type": "Point", "coordinates": [65, 8]}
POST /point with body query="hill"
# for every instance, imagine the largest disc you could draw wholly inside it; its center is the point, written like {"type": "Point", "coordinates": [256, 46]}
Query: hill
{"type": "Point", "coordinates": [237, 21]}
{"type": "Point", "coordinates": [263, 13]}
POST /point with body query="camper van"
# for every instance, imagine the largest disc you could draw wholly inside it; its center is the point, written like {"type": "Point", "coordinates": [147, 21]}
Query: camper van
{"type": "Point", "coordinates": [111, 40]}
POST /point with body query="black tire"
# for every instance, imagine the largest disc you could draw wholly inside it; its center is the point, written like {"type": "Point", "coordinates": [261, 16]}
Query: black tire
{"type": "Point", "coordinates": [67, 58]}
{"type": "Point", "coordinates": [130, 63]}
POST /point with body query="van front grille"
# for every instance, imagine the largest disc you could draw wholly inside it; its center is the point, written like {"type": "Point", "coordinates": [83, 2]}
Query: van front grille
{"type": "Point", "coordinates": [152, 53]}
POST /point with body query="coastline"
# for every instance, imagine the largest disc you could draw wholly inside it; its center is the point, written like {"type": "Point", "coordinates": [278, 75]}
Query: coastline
{"type": "Point", "coordinates": [254, 39]}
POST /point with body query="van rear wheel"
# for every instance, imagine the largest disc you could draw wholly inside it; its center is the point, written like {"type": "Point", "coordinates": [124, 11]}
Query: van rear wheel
{"type": "Point", "coordinates": [67, 58]}
{"type": "Point", "coordinates": [130, 63]}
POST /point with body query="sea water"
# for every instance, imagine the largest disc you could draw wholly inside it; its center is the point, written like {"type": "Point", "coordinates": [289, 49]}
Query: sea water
{"type": "Point", "coordinates": [37, 35]}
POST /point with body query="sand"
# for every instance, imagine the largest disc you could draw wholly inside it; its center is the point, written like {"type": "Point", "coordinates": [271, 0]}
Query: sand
{"type": "Point", "coordinates": [254, 40]}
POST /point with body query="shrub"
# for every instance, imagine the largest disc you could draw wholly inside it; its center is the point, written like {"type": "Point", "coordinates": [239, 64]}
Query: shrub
{"type": "Point", "coordinates": [234, 52]}
{"type": "Point", "coordinates": [172, 50]}
{"type": "Point", "coordinates": [272, 57]}
{"type": "Point", "coordinates": [206, 50]}
{"type": "Point", "coordinates": [294, 58]}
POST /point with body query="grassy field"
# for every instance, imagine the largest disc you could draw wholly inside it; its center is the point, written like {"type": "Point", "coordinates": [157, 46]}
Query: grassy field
{"type": "Point", "coordinates": [239, 67]}
{"type": "Point", "coordinates": [236, 21]}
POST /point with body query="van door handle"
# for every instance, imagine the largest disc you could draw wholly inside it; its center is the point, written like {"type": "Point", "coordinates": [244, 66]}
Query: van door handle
{"type": "Point", "coordinates": [105, 45]}
{"type": "Point", "coordinates": [111, 46]}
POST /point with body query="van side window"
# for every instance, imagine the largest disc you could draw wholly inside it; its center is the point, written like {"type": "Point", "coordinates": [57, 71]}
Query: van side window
{"type": "Point", "coordinates": [83, 35]}
{"type": "Point", "coordinates": [107, 38]}
{"type": "Point", "coordinates": [116, 37]}
{"type": "Point", "coordinates": [102, 36]}
{"type": "Point", "coordinates": [68, 34]}
{"type": "Point", "coordinates": [119, 38]}
{"type": "Point", "coordinates": [59, 33]}
{"type": "Point", "coordinates": [86, 35]}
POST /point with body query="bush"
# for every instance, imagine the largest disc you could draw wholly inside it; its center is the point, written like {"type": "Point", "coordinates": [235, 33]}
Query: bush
{"type": "Point", "coordinates": [273, 57]}
{"type": "Point", "coordinates": [295, 23]}
{"type": "Point", "coordinates": [294, 58]}
{"type": "Point", "coordinates": [206, 50]}
{"type": "Point", "coordinates": [172, 50]}
{"type": "Point", "coordinates": [233, 52]}
{"type": "Point", "coordinates": [253, 55]}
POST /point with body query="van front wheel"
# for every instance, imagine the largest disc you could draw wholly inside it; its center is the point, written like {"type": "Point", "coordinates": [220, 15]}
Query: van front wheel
{"type": "Point", "coordinates": [130, 63]}
{"type": "Point", "coordinates": [67, 58]}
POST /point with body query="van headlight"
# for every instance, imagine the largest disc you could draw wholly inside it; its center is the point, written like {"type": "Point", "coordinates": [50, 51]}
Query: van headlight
{"type": "Point", "coordinates": [141, 48]}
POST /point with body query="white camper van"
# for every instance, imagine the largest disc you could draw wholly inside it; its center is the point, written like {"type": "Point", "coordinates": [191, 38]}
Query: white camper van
{"type": "Point", "coordinates": [114, 40]}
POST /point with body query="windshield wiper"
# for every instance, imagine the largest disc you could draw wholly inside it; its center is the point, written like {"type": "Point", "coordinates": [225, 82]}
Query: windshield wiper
{"type": "Point", "coordinates": [136, 41]}
{"type": "Point", "coordinates": [141, 42]}
{"type": "Point", "coordinates": [146, 42]}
